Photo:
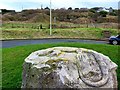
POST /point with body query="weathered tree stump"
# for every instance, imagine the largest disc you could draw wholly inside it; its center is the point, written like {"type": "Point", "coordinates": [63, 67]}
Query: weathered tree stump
{"type": "Point", "coordinates": [68, 67]}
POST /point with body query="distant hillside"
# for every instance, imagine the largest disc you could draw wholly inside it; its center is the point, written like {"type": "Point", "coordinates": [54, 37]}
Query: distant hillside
{"type": "Point", "coordinates": [63, 15]}
{"type": "Point", "coordinates": [39, 17]}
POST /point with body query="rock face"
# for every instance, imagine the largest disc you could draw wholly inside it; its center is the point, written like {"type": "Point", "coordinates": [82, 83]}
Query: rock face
{"type": "Point", "coordinates": [68, 67]}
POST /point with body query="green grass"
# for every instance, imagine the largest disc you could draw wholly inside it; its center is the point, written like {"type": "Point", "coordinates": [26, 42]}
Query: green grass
{"type": "Point", "coordinates": [28, 25]}
{"type": "Point", "coordinates": [86, 33]}
{"type": "Point", "coordinates": [21, 25]}
{"type": "Point", "coordinates": [22, 30]}
{"type": "Point", "coordinates": [13, 59]}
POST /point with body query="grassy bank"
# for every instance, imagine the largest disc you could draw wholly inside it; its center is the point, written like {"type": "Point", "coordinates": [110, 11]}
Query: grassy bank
{"type": "Point", "coordinates": [86, 33]}
{"type": "Point", "coordinates": [13, 59]}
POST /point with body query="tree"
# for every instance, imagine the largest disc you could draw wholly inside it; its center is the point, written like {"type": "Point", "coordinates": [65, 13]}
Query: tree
{"type": "Point", "coordinates": [70, 8]}
{"type": "Point", "coordinates": [103, 13]}
{"type": "Point", "coordinates": [92, 10]}
{"type": "Point", "coordinates": [112, 14]}
{"type": "Point", "coordinates": [47, 8]}
{"type": "Point", "coordinates": [76, 9]}
{"type": "Point", "coordinates": [95, 8]}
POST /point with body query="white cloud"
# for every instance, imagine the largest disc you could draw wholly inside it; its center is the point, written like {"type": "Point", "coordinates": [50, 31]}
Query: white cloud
{"type": "Point", "coordinates": [57, 1]}
{"type": "Point", "coordinates": [100, 0]}
{"type": "Point", "coordinates": [10, 4]}
{"type": "Point", "coordinates": [66, 3]}
{"type": "Point", "coordinates": [3, 6]}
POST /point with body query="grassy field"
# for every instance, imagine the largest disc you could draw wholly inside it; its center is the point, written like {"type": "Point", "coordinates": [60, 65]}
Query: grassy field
{"type": "Point", "coordinates": [15, 24]}
{"type": "Point", "coordinates": [13, 59]}
{"type": "Point", "coordinates": [24, 30]}
{"type": "Point", "coordinates": [86, 33]}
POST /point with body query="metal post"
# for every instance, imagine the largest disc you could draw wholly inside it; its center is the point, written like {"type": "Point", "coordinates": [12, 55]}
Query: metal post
{"type": "Point", "coordinates": [50, 20]}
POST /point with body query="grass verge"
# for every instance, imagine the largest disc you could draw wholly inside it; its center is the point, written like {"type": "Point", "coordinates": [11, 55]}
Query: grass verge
{"type": "Point", "coordinates": [13, 59]}
{"type": "Point", "coordinates": [85, 33]}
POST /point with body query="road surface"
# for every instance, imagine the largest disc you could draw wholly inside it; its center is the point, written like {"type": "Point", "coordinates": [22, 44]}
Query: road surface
{"type": "Point", "coordinates": [13, 43]}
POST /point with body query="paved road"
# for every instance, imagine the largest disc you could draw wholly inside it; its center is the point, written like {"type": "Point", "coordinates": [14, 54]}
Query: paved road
{"type": "Point", "coordinates": [13, 43]}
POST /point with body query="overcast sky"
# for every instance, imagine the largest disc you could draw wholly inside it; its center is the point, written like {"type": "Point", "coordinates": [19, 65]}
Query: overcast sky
{"type": "Point", "coordinates": [34, 4]}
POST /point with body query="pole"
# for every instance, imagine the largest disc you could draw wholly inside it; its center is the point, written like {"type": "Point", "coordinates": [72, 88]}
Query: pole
{"type": "Point", "coordinates": [50, 20]}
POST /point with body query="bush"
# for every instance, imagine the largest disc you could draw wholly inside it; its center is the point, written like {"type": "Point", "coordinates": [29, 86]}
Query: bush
{"type": "Point", "coordinates": [103, 13]}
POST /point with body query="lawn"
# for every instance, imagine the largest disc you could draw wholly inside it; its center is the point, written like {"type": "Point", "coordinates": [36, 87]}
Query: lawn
{"type": "Point", "coordinates": [13, 58]}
